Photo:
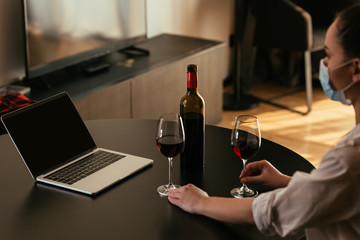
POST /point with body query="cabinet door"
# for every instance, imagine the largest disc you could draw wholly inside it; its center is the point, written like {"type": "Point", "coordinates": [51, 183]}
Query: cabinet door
{"type": "Point", "coordinates": [108, 103]}
{"type": "Point", "coordinates": [160, 90]}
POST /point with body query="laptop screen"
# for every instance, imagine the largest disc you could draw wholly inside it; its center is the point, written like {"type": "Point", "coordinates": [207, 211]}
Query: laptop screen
{"type": "Point", "coordinates": [48, 133]}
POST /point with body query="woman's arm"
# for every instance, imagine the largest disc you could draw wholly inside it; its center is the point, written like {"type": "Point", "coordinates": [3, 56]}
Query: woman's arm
{"type": "Point", "coordinates": [194, 200]}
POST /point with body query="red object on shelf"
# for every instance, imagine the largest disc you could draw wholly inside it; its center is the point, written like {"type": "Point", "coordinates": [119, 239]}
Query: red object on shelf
{"type": "Point", "coordinates": [11, 102]}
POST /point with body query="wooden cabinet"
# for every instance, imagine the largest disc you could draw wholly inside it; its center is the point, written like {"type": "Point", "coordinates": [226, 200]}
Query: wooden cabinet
{"type": "Point", "coordinates": [108, 103]}
{"type": "Point", "coordinates": [160, 90]}
{"type": "Point", "coordinates": [147, 86]}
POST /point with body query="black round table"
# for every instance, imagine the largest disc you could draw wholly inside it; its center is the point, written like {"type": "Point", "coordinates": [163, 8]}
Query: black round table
{"type": "Point", "coordinates": [130, 209]}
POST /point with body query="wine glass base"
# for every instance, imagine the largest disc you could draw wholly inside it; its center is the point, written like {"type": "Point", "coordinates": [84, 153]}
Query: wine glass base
{"type": "Point", "coordinates": [242, 192]}
{"type": "Point", "coordinates": [164, 189]}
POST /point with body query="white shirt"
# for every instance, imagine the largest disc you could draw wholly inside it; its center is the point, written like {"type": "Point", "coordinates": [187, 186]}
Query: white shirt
{"type": "Point", "coordinates": [325, 202]}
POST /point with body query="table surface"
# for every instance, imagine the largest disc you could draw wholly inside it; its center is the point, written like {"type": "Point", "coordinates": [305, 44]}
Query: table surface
{"type": "Point", "coordinates": [130, 209]}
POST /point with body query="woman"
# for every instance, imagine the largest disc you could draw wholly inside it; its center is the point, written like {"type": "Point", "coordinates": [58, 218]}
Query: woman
{"type": "Point", "coordinates": [325, 202]}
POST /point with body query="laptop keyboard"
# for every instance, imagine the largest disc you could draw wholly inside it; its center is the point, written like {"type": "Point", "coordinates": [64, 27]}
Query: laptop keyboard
{"type": "Point", "coordinates": [84, 167]}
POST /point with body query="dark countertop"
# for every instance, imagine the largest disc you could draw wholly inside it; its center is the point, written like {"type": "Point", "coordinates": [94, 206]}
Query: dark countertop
{"type": "Point", "coordinates": [163, 49]}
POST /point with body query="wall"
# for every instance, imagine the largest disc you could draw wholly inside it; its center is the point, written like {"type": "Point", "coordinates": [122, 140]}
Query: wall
{"type": "Point", "coordinates": [210, 19]}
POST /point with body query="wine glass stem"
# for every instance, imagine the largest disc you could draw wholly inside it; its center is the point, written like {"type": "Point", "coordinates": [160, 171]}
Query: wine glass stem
{"type": "Point", "coordinates": [170, 171]}
{"type": "Point", "coordinates": [244, 165]}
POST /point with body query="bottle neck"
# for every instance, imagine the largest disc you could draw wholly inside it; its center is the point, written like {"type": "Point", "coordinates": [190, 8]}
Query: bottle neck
{"type": "Point", "coordinates": [192, 80]}
{"type": "Point", "coordinates": [191, 90]}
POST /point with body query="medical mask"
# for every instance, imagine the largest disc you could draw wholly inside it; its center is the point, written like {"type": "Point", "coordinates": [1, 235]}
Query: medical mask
{"type": "Point", "coordinates": [335, 95]}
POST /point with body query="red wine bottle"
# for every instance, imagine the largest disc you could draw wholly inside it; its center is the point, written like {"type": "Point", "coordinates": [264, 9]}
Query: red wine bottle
{"type": "Point", "coordinates": [192, 111]}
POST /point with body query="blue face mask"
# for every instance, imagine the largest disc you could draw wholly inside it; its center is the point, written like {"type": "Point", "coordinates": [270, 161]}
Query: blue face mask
{"type": "Point", "coordinates": [336, 95]}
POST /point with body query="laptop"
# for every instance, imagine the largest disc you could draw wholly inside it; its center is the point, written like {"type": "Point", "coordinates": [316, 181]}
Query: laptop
{"type": "Point", "coordinates": [58, 149]}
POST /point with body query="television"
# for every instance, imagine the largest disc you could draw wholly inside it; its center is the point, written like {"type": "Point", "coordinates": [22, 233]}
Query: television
{"type": "Point", "coordinates": [62, 33]}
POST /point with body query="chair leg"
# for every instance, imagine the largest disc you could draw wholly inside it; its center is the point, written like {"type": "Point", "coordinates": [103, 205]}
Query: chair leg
{"type": "Point", "coordinates": [308, 79]}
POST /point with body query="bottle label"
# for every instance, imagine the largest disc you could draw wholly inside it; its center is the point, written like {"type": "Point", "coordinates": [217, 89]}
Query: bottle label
{"type": "Point", "coordinates": [192, 80]}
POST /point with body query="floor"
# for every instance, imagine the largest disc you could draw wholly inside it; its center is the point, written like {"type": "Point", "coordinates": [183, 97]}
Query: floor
{"type": "Point", "coordinates": [311, 135]}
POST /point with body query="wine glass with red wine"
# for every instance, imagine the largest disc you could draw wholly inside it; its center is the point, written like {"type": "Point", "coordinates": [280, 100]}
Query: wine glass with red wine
{"type": "Point", "coordinates": [246, 142]}
{"type": "Point", "coordinates": [170, 139]}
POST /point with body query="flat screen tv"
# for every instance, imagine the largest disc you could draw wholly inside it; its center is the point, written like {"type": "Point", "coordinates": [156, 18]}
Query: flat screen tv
{"type": "Point", "coordinates": [61, 33]}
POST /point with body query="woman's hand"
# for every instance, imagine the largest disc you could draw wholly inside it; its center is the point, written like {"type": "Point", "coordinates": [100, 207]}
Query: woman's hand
{"type": "Point", "coordinates": [264, 173]}
{"type": "Point", "coordinates": [194, 200]}
{"type": "Point", "coordinates": [188, 198]}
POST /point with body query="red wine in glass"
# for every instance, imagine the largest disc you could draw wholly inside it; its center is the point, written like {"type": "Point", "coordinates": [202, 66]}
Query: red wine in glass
{"type": "Point", "coordinates": [245, 142]}
{"type": "Point", "coordinates": [247, 146]}
{"type": "Point", "coordinates": [170, 146]}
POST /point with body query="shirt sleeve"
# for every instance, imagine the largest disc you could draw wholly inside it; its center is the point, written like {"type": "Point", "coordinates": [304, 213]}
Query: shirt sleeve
{"type": "Point", "coordinates": [328, 194]}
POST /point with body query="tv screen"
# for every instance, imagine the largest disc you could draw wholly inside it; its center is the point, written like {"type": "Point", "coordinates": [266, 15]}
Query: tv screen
{"type": "Point", "coordinates": [61, 33]}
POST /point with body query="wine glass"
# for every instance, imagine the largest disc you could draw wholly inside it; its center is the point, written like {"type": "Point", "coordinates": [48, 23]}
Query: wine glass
{"type": "Point", "coordinates": [170, 138]}
{"type": "Point", "coordinates": [245, 141]}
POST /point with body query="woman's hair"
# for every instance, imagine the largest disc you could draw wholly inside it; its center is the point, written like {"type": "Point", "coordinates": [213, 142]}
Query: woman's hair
{"type": "Point", "coordinates": [348, 27]}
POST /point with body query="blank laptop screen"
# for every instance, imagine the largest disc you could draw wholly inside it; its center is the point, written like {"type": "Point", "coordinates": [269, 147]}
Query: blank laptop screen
{"type": "Point", "coordinates": [48, 133]}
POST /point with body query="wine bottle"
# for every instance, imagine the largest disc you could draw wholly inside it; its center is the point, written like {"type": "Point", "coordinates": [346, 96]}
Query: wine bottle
{"type": "Point", "coordinates": [192, 111]}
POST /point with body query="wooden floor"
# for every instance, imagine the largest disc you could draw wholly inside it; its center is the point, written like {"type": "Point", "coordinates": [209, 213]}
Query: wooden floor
{"type": "Point", "coordinates": [310, 136]}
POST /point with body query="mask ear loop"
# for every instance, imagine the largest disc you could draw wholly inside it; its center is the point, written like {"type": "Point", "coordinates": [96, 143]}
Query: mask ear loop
{"type": "Point", "coordinates": [348, 86]}
{"type": "Point", "coordinates": [342, 65]}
